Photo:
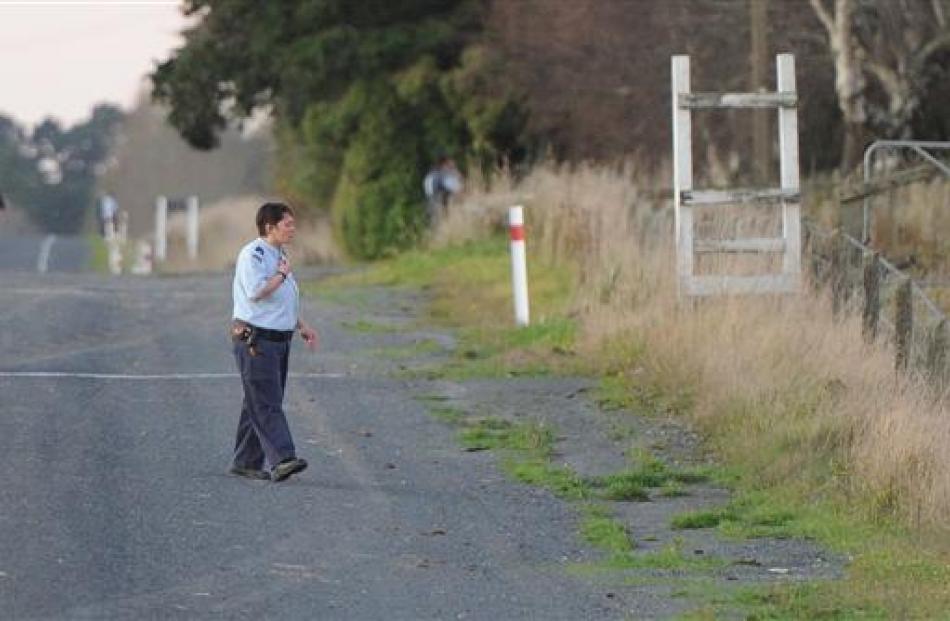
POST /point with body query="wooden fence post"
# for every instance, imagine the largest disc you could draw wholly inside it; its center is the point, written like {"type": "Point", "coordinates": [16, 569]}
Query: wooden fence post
{"type": "Point", "coordinates": [904, 323]}
{"type": "Point", "coordinates": [937, 352]}
{"type": "Point", "coordinates": [872, 295]}
{"type": "Point", "coordinates": [838, 271]}
{"type": "Point", "coordinates": [817, 276]}
{"type": "Point", "coordinates": [810, 252]}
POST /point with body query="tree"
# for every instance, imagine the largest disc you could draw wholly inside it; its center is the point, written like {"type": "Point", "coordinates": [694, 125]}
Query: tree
{"type": "Point", "coordinates": [365, 94]}
{"type": "Point", "coordinates": [887, 48]}
{"type": "Point", "coordinates": [51, 172]}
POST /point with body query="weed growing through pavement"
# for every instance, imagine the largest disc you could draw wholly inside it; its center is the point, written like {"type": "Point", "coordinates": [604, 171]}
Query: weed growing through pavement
{"type": "Point", "coordinates": [526, 449]}
{"type": "Point", "coordinates": [600, 529]}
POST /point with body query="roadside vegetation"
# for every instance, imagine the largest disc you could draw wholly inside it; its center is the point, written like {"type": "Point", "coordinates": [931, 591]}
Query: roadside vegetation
{"type": "Point", "coordinates": [813, 430]}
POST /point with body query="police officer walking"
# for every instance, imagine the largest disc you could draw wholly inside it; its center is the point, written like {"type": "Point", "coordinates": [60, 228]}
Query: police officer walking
{"type": "Point", "coordinates": [266, 303]}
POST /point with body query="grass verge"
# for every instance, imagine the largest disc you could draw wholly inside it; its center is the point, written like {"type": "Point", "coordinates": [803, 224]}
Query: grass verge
{"type": "Point", "coordinates": [896, 572]}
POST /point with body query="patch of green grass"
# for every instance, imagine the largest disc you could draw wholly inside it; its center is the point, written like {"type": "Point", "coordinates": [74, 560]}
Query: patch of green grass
{"type": "Point", "coordinates": [891, 575]}
{"type": "Point", "coordinates": [698, 519]}
{"type": "Point", "coordinates": [531, 438]}
{"type": "Point", "coordinates": [612, 393]}
{"type": "Point", "coordinates": [557, 334]}
{"type": "Point", "coordinates": [604, 532]}
{"type": "Point", "coordinates": [622, 487]}
{"type": "Point", "coordinates": [99, 256]}
{"type": "Point", "coordinates": [559, 480]}
{"type": "Point", "coordinates": [673, 489]}
{"type": "Point", "coordinates": [669, 557]}
{"type": "Point", "coordinates": [486, 434]}
{"type": "Point", "coordinates": [467, 285]}
{"type": "Point", "coordinates": [790, 601]}
{"type": "Point", "coordinates": [537, 350]}
{"type": "Point", "coordinates": [648, 472]}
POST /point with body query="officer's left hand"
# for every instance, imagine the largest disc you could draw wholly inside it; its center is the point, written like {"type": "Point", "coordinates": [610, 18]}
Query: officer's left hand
{"type": "Point", "coordinates": [310, 337]}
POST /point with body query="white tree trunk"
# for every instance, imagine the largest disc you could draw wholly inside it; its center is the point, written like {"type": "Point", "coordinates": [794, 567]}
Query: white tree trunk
{"type": "Point", "coordinates": [850, 82]}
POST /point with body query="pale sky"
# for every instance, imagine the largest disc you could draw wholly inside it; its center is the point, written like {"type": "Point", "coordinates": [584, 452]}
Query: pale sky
{"type": "Point", "coordinates": [59, 58]}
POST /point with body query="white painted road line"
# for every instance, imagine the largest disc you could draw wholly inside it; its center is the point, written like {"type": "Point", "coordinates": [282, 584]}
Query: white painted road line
{"type": "Point", "coordinates": [150, 377]}
{"type": "Point", "coordinates": [42, 262]}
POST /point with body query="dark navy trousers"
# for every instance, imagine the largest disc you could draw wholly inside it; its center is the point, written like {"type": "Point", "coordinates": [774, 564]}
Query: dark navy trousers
{"type": "Point", "coordinates": [263, 433]}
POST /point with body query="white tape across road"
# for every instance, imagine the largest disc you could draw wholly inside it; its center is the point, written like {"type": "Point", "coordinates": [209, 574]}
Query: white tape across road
{"type": "Point", "coordinates": [150, 377]}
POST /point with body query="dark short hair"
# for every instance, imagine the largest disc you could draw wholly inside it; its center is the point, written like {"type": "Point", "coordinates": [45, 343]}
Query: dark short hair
{"type": "Point", "coordinates": [271, 213]}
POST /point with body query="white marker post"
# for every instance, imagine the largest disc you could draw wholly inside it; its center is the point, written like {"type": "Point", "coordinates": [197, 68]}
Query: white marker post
{"type": "Point", "coordinates": [519, 267]}
{"type": "Point", "coordinates": [192, 216]}
{"type": "Point", "coordinates": [161, 221]}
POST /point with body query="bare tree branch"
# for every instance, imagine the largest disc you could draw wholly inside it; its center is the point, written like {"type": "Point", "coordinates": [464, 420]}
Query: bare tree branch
{"type": "Point", "coordinates": [823, 16]}
{"type": "Point", "coordinates": [939, 14]}
{"type": "Point", "coordinates": [888, 78]}
{"type": "Point", "coordinates": [933, 46]}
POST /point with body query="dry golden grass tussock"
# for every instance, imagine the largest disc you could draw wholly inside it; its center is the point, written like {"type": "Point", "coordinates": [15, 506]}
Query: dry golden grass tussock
{"type": "Point", "coordinates": [227, 225]}
{"type": "Point", "coordinates": [777, 376]}
{"type": "Point", "coordinates": [481, 208]}
{"type": "Point", "coordinates": [914, 221]}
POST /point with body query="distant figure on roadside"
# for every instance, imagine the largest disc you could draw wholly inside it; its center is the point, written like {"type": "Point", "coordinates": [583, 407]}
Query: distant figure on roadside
{"type": "Point", "coordinates": [108, 208]}
{"type": "Point", "coordinates": [265, 317]}
{"type": "Point", "coordinates": [442, 181]}
{"type": "Point", "coordinates": [3, 203]}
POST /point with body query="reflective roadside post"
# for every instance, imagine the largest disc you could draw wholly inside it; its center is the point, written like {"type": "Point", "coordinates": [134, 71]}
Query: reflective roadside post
{"type": "Point", "coordinates": [192, 217]}
{"type": "Point", "coordinates": [519, 267]}
{"type": "Point", "coordinates": [161, 220]}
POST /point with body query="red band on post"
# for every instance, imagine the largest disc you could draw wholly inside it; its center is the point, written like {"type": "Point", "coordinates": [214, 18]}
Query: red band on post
{"type": "Point", "coordinates": [517, 232]}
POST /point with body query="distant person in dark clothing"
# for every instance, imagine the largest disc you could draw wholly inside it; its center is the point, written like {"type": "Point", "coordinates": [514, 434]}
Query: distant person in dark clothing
{"type": "Point", "coordinates": [442, 181]}
{"type": "Point", "coordinates": [3, 203]}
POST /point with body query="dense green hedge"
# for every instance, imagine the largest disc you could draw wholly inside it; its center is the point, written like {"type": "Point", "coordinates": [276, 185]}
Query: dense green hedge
{"type": "Point", "coordinates": [366, 96]}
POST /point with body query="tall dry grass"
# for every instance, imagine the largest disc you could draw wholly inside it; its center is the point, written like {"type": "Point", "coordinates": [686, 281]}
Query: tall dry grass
{"type": "Point", "coordinates": [777, 383]}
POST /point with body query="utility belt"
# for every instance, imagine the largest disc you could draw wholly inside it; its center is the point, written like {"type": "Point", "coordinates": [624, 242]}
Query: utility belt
{"type": "Point", "coordinates": [250, 334]}
{"type": "Point", "coordinates": [278, 336]}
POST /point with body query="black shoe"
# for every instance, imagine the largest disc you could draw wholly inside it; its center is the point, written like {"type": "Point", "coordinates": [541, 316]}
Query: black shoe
{"type": "Point", "coordinates": [288, 467]}
{"type": "Point", "coordinates": [250, 473]}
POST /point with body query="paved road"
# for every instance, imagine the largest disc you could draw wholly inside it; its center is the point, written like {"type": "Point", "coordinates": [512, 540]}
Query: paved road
{"type": "Point", "coordinates": [43, 253]}
{"type": "Point", "coordinates": [118, 403]}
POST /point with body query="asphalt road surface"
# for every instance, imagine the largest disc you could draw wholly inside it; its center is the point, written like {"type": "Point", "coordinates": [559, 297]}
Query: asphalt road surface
{"type": "Point", "coordinates": [119, 402]}
{"type": "Point", "coordinates": [43, 253]}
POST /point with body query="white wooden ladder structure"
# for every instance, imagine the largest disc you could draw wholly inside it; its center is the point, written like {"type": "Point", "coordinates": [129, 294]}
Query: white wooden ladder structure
{"type": "Point", "coordinates": [686, 197]}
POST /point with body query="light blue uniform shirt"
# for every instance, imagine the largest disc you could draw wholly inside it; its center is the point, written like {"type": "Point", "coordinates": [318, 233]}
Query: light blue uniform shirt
{"type": "Point", "coordinates": [256, 263]}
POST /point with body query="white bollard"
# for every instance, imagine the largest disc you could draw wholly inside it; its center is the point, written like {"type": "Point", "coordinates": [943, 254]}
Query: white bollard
{"type": "Point", "coordinates": [161, 221]}
{"type": "Point", "coordinates": [143, 259]}
{"type": "Point", "coordinates": [115, 255]}
{"type": "Point", "coordinates": [123, 229]}
{"type": "Point", "coordinates": [192, 217]}
{"type": "Point", "coordinates": [519, 266]}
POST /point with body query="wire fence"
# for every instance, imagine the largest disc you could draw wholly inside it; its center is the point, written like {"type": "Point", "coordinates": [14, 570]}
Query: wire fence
{"type": "Point", "coordinates": [891, 305]}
